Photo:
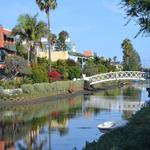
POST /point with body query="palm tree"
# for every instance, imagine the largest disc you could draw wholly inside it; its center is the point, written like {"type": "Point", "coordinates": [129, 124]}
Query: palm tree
{"type": "Point", "coordinates": [63, 36]}
{"type": "Point", "coordinates": [30, 30]}
{"type": "Point", "coordinates": [127, 48]}
{"type": "Point", "coordinates": [47, 6]}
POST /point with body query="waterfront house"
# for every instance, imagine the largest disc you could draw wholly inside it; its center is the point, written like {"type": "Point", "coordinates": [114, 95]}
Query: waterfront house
{"type": "Point", "coordinates": [7, 44]}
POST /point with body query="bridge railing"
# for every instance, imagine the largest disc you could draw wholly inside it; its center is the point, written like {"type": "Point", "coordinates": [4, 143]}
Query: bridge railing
{"type": "Point", "coordinates": [121, 75]}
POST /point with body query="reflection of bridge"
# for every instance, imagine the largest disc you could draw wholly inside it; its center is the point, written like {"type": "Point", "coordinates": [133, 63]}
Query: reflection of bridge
{"type": "Point", "coordinates": [112, 104]}
{"type": "Point", "coordinates": [121, 75]}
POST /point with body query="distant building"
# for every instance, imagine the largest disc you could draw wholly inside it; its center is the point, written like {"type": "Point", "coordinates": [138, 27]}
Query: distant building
{"type": "Point", "coordinates": [71, 47]}
{"type": "Point", "coordinates": [78, 57]}
{"type": "Point", "coordinates": [88, 53]}
{"type": "Point", "coordinates": [7, 44]}
{"type": "Point", "coordinates": [55, 55]}
{"type": "Point", "coordinates": [118, 65]}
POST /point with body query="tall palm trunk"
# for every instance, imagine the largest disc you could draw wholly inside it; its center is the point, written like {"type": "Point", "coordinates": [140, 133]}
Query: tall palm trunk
{"type": "Point", "coordinates": [29, 50]}
{"type": "Point", "coordinates": [49, 44]}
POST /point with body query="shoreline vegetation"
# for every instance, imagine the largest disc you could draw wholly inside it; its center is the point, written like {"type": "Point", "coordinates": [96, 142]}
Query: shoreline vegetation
{"type": "Point", "coordinates": [43, 92]}
{"type": "Point", "coordinates": [134, 136]}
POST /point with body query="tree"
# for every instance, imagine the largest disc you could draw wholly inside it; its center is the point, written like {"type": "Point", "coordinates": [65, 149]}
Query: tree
{"type": "Point", "coordinates": [90, 68]}
{"type": "Point", "coordinates": [138, 10]}
{"type": "Point", "coordinates": [135, 61]}
{"type": "Point", "coordinates": [47, 6]}
{"type": "Point", "coordinates": [16, 65]}
{"type": "Point", "coordinates": [127, 48]}
{"type": "Point", "coordinates": [115, 59]}
{"type": "Point", "coordinates": [63, 36]}
{"type": "Point", "coordinates": [131, 58]}
{"type": "Point", "coordinates": [30, 30]}
{"type": "Point", "coordinates": [21, 50]}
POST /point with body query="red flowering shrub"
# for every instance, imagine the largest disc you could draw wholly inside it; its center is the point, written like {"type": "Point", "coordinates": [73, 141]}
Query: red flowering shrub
{"type": "Point", "coordinates": [55, 75]}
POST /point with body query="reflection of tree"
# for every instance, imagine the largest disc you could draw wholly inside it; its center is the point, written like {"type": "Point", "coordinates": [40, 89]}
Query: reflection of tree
{"type": "Point", "coordinates": [26, 122]}
{"type": "Point", "coordinates": [110, 92]}
{"type": "Point", "coordinates": [28, 112]}
{"type": "Point", "coordinates": [132, 92]}
{"type": "Point", "coordinates": [63, 131]}
{"type": "Point", "coordinates": [96, 111]}
{"type": "Point", "coordinates": [13, 131]}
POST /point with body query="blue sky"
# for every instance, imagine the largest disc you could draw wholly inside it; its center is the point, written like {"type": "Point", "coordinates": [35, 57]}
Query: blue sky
{"type": "Point", "coordinates": [96, 25]}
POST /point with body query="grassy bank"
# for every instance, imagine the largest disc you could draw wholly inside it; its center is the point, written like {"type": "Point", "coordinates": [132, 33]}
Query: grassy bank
{"type": "Point", "coordinates": [135, 136]}
{"type": "Point", "coordinates": [38, 90]}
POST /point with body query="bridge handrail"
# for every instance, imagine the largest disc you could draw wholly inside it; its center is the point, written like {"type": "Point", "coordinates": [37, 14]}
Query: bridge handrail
{"type": "Point", "coordinates": [120, 75]}
{"type": "Point", "coordinates": [115, 73]}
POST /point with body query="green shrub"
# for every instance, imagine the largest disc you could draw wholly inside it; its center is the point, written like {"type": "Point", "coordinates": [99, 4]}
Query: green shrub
{"type": "Point", "coordinates": [134, 136]}
{"type": "Point", "coordinates": [11, 84]}
{"type": "Point", "coordinates": [28, 88]}
{"type": "Point", "coordinates": [52, 88]}
{"type": "Point", "coordinates": [39, 73]}
{"type": "Point", "coordinates": [41, 87]}
{"type": "Point", "coordinates": [1, 90]}
{"type": "Point", "coordinates": [26, 80]}
{"type": "Point", "coordinates": [74, 72]}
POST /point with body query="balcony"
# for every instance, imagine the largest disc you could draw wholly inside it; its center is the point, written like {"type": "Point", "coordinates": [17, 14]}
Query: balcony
{"type": "Point", "coordinates": [11, 47]}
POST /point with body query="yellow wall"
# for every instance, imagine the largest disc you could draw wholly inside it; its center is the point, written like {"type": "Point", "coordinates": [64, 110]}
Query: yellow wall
{"type": "Point", "coordinates": [55, 55]}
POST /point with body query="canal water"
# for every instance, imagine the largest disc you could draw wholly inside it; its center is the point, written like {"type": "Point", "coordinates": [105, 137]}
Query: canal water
{"type": "Point", "coordinates": [67, 124]}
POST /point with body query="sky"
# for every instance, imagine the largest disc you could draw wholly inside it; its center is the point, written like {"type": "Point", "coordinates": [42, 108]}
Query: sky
{"type": "Point", "coordinates": [97, 25]}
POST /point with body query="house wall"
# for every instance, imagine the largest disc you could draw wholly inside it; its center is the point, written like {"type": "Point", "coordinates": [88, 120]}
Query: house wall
{"type": "Point", "coordinates": [2, 32]}
{"type": "Point", "coordinates": [55, 55]}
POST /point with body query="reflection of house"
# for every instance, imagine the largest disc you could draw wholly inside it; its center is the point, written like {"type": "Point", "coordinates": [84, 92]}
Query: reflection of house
{"type": "Point", "coordinates": [5, 145]}
{"type": "Point", "coordinates": [59, 125]}
{"type": "Point", "coordinates": [7, 44]}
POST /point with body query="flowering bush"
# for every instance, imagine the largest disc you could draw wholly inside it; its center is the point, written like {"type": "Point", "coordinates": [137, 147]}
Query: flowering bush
{"type": "Point", "coordinates": [54, 75]}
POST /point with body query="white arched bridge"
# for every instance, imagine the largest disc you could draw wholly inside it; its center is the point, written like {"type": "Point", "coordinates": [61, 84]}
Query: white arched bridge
{"type": "Point", "coordinates": [120, 75]}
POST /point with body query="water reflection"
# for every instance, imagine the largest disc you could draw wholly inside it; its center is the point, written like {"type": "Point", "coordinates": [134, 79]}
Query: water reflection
{"type": "Point", "coordinates": [65, 124]}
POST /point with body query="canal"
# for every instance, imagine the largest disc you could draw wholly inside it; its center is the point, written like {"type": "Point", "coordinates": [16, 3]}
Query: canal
{"type": "Point", "coordinates": [67, 124]}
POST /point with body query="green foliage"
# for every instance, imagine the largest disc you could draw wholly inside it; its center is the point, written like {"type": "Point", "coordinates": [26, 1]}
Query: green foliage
{"type": "Point", "coordinates": [16, 65]}
{"type": "Point", "coordinates": [98, 65]}
{"type": "Point", "coordinates": [70, 69]}
{"type": "Point", "coordinates": [10, 84]}
{"type": "Point", "coordinates": [28, 88]}
{"type": "Point", "coordinates": [26, 80]}
{"type": "Point", "coordinates": [31, 30]}
{"type": "Point", "coordinates": [22, 51]}
{"type": "Point", "coordinates": [138, 10]}
{"type": "Point", "coordinates": [131, 58]}
{"type": "Point", "coordinates": [39, 73]}
{"type": "Point", "coordinates": [63, 35]}
{"type": "Point", "coordinates": [134, 136]}
{"type": "Point", "coordinates": [42, 87]}
{"type": "Point", "coordinates": [1, 90]}
{"type": "Point", "coordinates": [46, 5]}
{"type": "Point", "coordinates": [135, 61]}
{"type": "Point", "coordinates": [90, 69]}
{"type": "Point", "coordinates": [52, 88]}
{"type": "Point", "coordinates": [73, 72]}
